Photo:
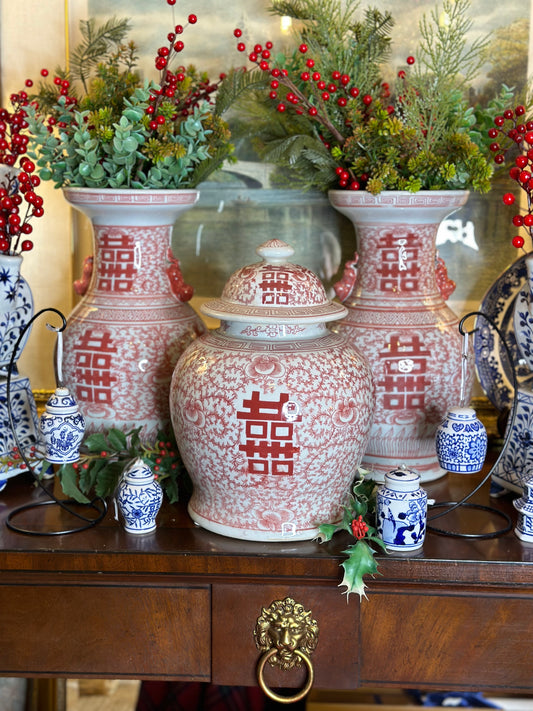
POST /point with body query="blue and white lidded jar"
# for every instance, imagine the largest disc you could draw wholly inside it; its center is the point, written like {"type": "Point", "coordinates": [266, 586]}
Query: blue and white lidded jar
{"type": "Point", "coordinates": [139, 498]}
{"type": "Point", "coordinates": [401, 510]}
{"type": "Point", "coordinates": [62, 427]}
{"type": "Point", "coordinates": [461, 441]}
{"type": "Point", "coordinates": [524, 506]}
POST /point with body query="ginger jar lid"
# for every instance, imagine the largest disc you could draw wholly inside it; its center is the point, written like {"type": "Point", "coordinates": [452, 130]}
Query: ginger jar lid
{"type": "Point", "coordinates": [402, 479]}
{"type": "Point", "coordinates": [274, 290]}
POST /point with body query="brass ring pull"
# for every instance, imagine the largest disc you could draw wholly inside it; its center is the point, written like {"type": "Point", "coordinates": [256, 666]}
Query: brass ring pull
{"type": "Point", "coordinates": [287, 635]}
{"type": "Point", "coordinates": [285, 699]}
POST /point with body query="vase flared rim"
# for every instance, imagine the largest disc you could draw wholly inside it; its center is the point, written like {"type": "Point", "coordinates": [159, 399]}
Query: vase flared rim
{"type": "Point", "coordinates": [130, 196]}
{"type": "Point", "coordinates": [398, 198]}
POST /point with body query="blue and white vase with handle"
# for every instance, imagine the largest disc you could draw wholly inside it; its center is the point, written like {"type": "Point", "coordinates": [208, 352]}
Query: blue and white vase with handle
{"type": "Point", "coordinates": [139, 498]}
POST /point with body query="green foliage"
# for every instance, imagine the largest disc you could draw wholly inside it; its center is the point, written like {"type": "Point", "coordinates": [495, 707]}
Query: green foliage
{"type": "Point", "coordinates": [416, 131]}
{"type": "Point", "coordinates": [105, 456]}
{"type": "Point", "coordinates": [357, 516]}
{"type": "Point", "coordinates": [106, 135]}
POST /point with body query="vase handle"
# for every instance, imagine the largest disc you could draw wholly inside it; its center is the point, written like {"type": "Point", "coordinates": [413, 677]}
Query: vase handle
{"type": "Point", "coordinates": [345, 286]}
{"type": "Point", "coordinates": [445, 285]}
{"type": "Point", "coordinates": [81, 285]}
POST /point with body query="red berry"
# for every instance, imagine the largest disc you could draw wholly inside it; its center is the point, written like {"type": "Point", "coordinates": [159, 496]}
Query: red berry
{"type": "Point", "coordinates": [508, 114]}
{"type": "Point", "coordinates": [325, 96]}
{"type": "Point", "coordinates": [518, 220]}
{"type": "Point", "coordinates": [313, 111]}
{"type": "Point", "coordinates": [508, 199]}
{"type": "Point", "coordinates": [410, 60]}
{"type": "Point", "coordinates": [499, 121]}
{"type": "Point", "coordinates": [518, 241]}
{"type": "Point", "coordinates": [304, 76]}
{"type": "Point", "coordinates": [499, 159]}
{"type": "Point", "coordinates": [494, 147]}
{"type": "Point", "coordinates": [179, 46]}
{"type": "Point", "coordinates": [26, 245]}
{"type": "Point", "coordinates": [528, 220]}
{"type": "Point", "coordinates": [367, 99]}
{"type": "Point", "coordinates": [492, 132]}
{"type": "Point", "coordinates": [521, 161]}
{"type": "Point", "coordinates": [171, 2]}
{"type": "Point", "coordinates": [237, 32]}
{"type": "Point", "coordinates": [310, 63]}
{"type": "Point", "coordinates": [273, 94]}
{"type": "Point", "coordinates": [193, 19]}
{"type": "Point", "coordinates": [529, 137]}
{"type": "Point", "coordinates": [44, 72]}
{"type": "Point", "coordinates": [303, 48]}
{"type": "Point", "coordinates": [342, 101]}
{"type": "Point", "coordinates": [281, 108]}
{"type": "Point", "coordinates": [241, 47]}
{"type": "Point", "coordinates": [316, 76]}
{"type": "Point", "coordinates": [354, 91]}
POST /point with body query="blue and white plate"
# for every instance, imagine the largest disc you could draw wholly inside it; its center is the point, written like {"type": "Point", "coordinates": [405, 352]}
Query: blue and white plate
{"type": "Point", "coordinates": [523, 325]}
{"type": "Point", "coordinates": [494, 370]}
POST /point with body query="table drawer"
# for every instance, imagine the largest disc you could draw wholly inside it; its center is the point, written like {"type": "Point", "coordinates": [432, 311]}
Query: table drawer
{"type": "Point", "coordinates": [106, 630]}
{"type": "Point", "coordinates": [235, 655]}
{"type": "Point", "coordinates": [442, 640]}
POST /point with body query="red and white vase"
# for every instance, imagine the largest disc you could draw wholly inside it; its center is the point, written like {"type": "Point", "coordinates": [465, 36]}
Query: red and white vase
{"type": "Point", "coordinates": [125, 336]}
{"type": "Point", "coordinates": [395, 290]}
{"type": "Point", "coordinates": [272, 411]}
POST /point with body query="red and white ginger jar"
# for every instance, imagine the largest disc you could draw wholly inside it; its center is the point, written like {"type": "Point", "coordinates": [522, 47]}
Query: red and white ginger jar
{"type": "Point", "coordinates": [271, 411]}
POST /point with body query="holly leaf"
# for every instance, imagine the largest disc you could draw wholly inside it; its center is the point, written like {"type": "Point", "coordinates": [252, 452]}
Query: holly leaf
{"type": "Point", "coordinates": [326, 532]}
{"type": "Point", "coordinates": [360, 561]}
{"type": "Point", "coordinates": [68, 477]}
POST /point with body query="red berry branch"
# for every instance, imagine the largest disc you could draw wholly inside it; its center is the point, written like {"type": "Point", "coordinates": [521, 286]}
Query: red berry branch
{"type": "Point", "coordinates": [311, 93]}
{"type": "Point", "coordinates": [512, 129]}
{"type": "Point", "coordinates": [19, 202]}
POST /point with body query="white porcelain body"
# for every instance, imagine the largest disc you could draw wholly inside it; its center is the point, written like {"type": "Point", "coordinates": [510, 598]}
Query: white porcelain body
{"type": "Point", "coordinates": [62, 428]}
{"type": "Point", "coordinates": [271, 432]}
{"type": "Point", "coordinates": [401, 510]}
{"type": "Point", "coordinates": [16, 308]}
{"type": "Point", "coordinates": [461, 441]}
{"type": "Point", "coordinates": [139, 498]}
{"type": "Point", "coordinates": [125, 336]}
{"type": "Point", "coordinates": [399, 319]}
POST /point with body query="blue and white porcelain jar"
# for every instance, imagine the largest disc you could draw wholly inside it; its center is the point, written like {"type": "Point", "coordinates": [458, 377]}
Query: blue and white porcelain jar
{"type": "Point", "coordinates": [139, 498]}
{"type": "Point", "coordinates": [524, 506]}
{"type": "Point", "coordinates": [401, 510]}
{"type": "Point", "coordinates": [461, 441]}
{"type": "Point", "coordinates": [62, 427]}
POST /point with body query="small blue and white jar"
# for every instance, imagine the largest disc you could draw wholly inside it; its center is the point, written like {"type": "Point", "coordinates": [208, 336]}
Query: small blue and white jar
{"type": "Point", "coordinates": [62, 427]}
{"type": "Point", "coordinates": [461, 441]}
{"type": "Point", "coordinates": [524, 506]}
{"type": "Point", "coordinates": [401, 510]}
{"type": "Point", "coordinates": [139, 498]}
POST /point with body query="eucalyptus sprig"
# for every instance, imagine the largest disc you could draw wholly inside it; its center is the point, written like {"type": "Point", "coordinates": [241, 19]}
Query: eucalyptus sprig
{"type": "Point", "coordinates": [104, 457]}
{"type": "Point", "coordinates": [357, 520]}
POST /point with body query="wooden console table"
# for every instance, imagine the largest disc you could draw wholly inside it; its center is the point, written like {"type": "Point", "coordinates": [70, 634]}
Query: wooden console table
{"type": "Point", "coordinates": [182, 603]}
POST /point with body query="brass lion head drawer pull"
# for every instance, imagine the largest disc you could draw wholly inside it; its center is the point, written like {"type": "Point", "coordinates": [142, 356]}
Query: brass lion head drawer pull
{"type": "Point", "coordinates": [287, 635]}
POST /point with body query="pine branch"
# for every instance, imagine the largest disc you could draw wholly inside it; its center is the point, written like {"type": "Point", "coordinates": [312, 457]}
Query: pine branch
{"type": "Point", "coordinates": [96, 44]}
{"type": "Point", "coordinates": [235, 84]}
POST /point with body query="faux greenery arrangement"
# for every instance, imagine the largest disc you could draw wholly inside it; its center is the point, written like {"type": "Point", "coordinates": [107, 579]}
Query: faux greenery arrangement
{"type": "Point", "coordinates": [357, 521]}
{"type": "Point", "coordinates": [331, 114]}
{"type": "Point", "coordinates": [100, 125]}
{"type": "Point", "coordinates": [105, 456]}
